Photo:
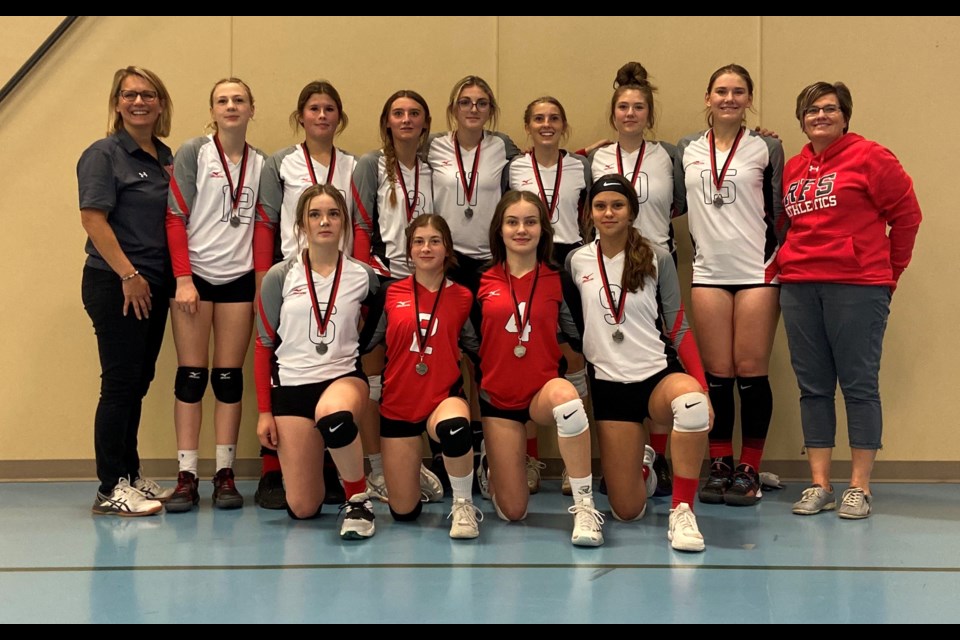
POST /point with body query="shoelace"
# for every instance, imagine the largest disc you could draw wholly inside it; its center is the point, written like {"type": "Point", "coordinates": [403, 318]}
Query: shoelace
{"type": "Point", "coordinates": [686, 520]}
{"type": "Point", "coordinates": [853, 498]}
{"type": "Point", "coordinates": [533, 463]}
{"type": "Point", "coordinates": [585, 512]}
{"type": "Point", "coordinates": [809, 494]}
{"type": "Point", "coordinates": [358, 509]}
{"type": "Point", "coordinates": [466, 510]}
{"type": "Point", "coordinates": [743, 480]}
{"type": "Point", "coordinates": [150, 486]}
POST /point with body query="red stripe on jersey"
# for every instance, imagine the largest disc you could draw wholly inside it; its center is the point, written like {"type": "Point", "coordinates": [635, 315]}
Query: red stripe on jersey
{"type": "Point", "coordinates": [177, 244]}
{"type": "Point", "coordinates": [271, 332]}
{"type": "Point", "coordinates": [772, 271]}
{"type": "Point", "coordinates": [360, 209]}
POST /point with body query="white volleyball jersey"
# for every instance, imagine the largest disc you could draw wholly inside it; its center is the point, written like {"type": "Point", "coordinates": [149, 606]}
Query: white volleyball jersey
{"type": "Point", "coordinates": [734, 243]}
{"type": "Point", "coordinates": [286, 176]}
{"type": "Point", "coordinates": [386, 223]}
{"type": "Point", "coordinates": [200, 196]}
{"type": "Point", "coordinates": [651, 315]}
{"type": "Point", "coordinates": [568, 205]}
{"type": "Point", "coordinates": [287, 325]}
{"type": "Point", "coordinates": [471, 233]}
{"type": "Point", "coordinates": [659, 186]}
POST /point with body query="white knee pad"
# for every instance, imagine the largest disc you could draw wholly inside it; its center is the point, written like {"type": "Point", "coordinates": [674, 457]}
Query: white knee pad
{"type": "Point", "coordinates": [376, 387]}
{"type": "Point", "coordinates": [579, 381]}
{"type": "Point", "coordinates": [571, 418]}
{"type": "Point", "coordinates": [640, 515]}
{"type": "Point", "coordinates": [691, 414]}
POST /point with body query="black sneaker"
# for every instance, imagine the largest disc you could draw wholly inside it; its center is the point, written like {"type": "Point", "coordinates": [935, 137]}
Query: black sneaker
{"type": "Point", "coordinates": [603, 486]}
{"type": "Point", "coordinates": [744, 489]}
{"type": "Point", "coordinates": [358, 518]}
{"type": "Point", "coordinates": [270, 492]}
{"type": "Point", "coordinates": [335, 493]}
{"type": "Point", "coordinates": [186, 495]}
{"type": "Point", "coordinates": [664, 476]}
{"type": "Point", "coordinates": [720, 478]}
{"type": "Point", "coordinates": [440, 471]}
{"type": "Point", "coordinates": [225, 494]}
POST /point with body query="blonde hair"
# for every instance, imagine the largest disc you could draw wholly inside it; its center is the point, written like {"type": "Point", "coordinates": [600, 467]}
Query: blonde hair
{"type": "Point", "coordinates": [161, 128]}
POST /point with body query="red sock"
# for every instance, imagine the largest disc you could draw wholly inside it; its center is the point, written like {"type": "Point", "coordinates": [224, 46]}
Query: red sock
{"type": "Point", "coordinates": [684, 490]}
{"type": "Point", "coordinates": [721, 449]}
{"type": "Point", "coordinates": [659, 443]}
{"type": "Point", "coordinates": [752, 452]}
{"type": "Point", "coordinates": [532, 449]}
{"type": "Point", "coordinates": [269, 462]}
{"type": "Point", "coordinates": [353, 488]}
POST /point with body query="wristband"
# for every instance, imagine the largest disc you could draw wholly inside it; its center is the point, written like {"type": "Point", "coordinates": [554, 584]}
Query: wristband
{"type": "Point", "coordinates": [130, 276]}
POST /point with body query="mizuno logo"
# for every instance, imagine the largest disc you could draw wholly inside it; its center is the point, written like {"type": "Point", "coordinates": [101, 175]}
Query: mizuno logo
{"type": "Point", "coordinates": [566, 416]}
{"type": "Point", "coordinates": [332, 429]}
{"type": "Point", "coordinates": [143, 174]}
{"type": "Point", "coordinates": [403, 304]}
{"type": "Point", "coordinates": [526, 183]}
{"type": "Point", "coordinates": [454, 432]}
{"type": "Point", "coordinates": [493, 294]}
{"type": "Point", "coordinates": [194, 375]}
{"type": "Point", "coordinates": [225, 376]}
{"type": "Point", "coordinates": [688, 406]}
{"type": "Point", "coordinates": [216, 173]}
{"type": "Point", "coordinates": [608, 167]}
{"type": "Point", "coordinates": [587, 278]}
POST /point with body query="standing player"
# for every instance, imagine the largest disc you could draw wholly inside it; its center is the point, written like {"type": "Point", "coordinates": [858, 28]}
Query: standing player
{"type": "Point", "coordinates": [733, 181]}
{"type": "Point", "coordinates": [421, 319]}
{"type": "Point", "coordinates": [652, 169]}
{"type": "Point", "coordinates": [635, 337]}
{"type": "Point", "coordinates": [310, 388]}
{"type": "Point", "coordinates": [561, 179]}
{"type": "Point", "coordinates": [286, 174]}
{"type": "Point", "coordinates": [519, 308]}
{"type": "Point", "coordinates": [392, 187]}
{"type": "Point", "coordinates": [210, 227]}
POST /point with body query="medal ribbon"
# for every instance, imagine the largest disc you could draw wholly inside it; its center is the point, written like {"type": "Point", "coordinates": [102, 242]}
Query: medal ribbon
{"type": "Point", "coordinates": [325, 320]}
{"type": "Point", "coordinates": [617, 310]}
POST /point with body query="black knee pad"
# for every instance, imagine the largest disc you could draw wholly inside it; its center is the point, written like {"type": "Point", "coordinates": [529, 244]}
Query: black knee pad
{"type": "Point", "coordinates": [338, 429]}
{"type": "Point", "coordinates": [456, 437]}
{"type": "Point", "coordinates": [407, 517]}
{"type": "Point", "coordinates": [227, 384]}
{"type": "Point", "coordinates": [190, 384]}
{"type": "Point", "coordinates": [294, 516]}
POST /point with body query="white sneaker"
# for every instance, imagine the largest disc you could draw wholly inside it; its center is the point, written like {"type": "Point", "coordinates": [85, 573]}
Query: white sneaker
{"type": "Point", "coordinates": [377, 487]}
{"type": "Point", "coordinates": [483, 473]}
{"type": "Point", "coordinates": [124, 500]}
{"type": "Point", "coordinates": [565, 487]}
{"type": "Point", "coordinates": [430, 488]}
{"type": "Point", "coordinates": [151, 490]}
{"type": "Point", "coordinates": [466, 518]}
{"type": "Point", "coordinates": [357, 518]}
{"type": "Point", "coordinates": [649, 457]}
{"type": "Point", "coordinates": [587, 523]}
{"type": "Point", "coordinates": [534, 467]}
{"type": "Point", "coordinates": [683, 533]}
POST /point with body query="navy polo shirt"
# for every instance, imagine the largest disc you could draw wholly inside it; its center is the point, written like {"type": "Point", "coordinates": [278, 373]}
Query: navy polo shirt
{"type": "Point", "coordinates": [117, 176]}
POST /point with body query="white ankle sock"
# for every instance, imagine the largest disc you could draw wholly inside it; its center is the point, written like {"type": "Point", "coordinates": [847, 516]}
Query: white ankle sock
{"type": "Point", "coordinates": [187, 459]}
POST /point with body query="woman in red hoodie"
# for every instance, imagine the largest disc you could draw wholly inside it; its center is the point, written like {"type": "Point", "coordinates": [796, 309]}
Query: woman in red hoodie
{"type": "Point", "coordinates": [838, 269]}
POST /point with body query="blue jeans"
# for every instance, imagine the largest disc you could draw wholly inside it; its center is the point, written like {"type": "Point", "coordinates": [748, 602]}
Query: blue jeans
{"type": "Point", "coordinates": [128, 356]}
{"type": "Point", "coordinates": [835, 333]}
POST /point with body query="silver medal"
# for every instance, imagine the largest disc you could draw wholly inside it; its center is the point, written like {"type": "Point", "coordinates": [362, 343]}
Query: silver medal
{"type": "Point", "coordinates": [717, 200]}
{"type": "Point", "coordinates": [519, 351]}
{"type": "Point", "coordinates": [321, 348]}
{"type": "Point", "coordinates": [468, 212]}
{"type": "Point", "coordinates": [234, 221]}
{"type": "Point", "coordinates": [422, 368]}
{"type": "Point", "coordinates": [618, 336]}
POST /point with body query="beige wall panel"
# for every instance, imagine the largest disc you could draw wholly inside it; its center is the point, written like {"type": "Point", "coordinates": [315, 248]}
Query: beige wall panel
{"type": "Point", "coordinates": [901, 72]}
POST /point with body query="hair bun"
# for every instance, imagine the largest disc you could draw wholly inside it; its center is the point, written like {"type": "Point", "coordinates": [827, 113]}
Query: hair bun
{"type": "Point", "coordinates": [632, 73]}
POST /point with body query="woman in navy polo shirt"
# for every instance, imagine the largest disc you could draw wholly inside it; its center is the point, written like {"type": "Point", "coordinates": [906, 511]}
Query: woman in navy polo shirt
{"type": "Point", "coordinates": [123, 181]}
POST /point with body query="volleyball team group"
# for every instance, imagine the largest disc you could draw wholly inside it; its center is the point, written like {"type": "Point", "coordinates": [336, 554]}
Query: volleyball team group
{"type": "Point", "coordinates": [452, 285]}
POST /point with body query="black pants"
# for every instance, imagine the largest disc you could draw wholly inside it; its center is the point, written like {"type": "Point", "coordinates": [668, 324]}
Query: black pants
{"type": "Point", "coordinates": [128, 357]}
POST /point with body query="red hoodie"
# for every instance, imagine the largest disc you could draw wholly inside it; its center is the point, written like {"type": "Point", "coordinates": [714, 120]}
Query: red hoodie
{"type": "Point", "coordinates": [837, 207]}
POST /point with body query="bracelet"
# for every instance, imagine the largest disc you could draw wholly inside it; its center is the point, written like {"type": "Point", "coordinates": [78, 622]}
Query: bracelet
{"type": "Point", "coordinates": [130, 276]}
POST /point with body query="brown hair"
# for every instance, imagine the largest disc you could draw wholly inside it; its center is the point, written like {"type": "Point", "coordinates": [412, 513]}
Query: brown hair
{"type": "Point", "coordinates": [386, 136]}
{"type": "Point", "coordinates": [323, 88]}
{"type": "Point", "coordinates": [632, 76]}
{"type": "Point", "coordinates": [436, 221]}
{"type": "Point", "coordinates": [638, 254]}
{"type": "Point", "coordinates": [498, 250]}
{"type": "Point", "coordinates": [820, 89]}
{"type": "Point", "coordinates": [303, 206]}
{"type": "Point", "coordinates": [528, 113]}
{"type": "Point", "coordinates": [463, 83]}
{"type": "Point", "coordinates": [734, 69]}
{"type": "Point", "coordinates": [161, 128]}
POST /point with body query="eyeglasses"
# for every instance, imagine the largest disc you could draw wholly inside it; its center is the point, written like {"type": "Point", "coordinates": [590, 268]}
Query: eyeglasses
{"type": "Point", "coordinates": [465, 104]}
{"type": "Point", "coordinates": [131, 96]}
{"type": "Point", "coordinates": [828, 110]}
